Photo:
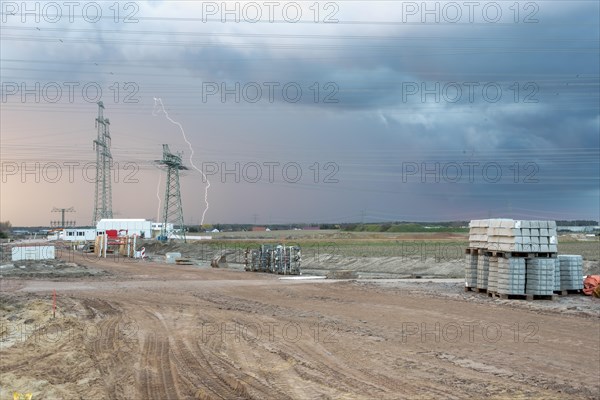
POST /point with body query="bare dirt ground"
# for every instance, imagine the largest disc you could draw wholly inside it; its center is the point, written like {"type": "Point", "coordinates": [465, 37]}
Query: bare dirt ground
{"type": "Point", "coordinates": [148, 330]}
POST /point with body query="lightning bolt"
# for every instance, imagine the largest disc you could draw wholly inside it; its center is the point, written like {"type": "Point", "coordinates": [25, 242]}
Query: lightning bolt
{"type": "Point", "coordinates": [158, 197]}
{"type": "Point", "coordinates": [161, 108]}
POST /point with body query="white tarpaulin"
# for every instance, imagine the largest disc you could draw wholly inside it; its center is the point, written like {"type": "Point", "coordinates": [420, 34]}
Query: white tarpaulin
{"type": "Point", "coordinates": [32, 253]}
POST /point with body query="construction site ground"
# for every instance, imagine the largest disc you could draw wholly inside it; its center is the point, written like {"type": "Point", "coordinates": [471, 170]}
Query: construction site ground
{"type": "Point", "coordinates": [127, 329]}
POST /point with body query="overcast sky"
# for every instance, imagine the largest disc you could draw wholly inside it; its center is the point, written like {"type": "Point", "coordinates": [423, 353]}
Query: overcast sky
{"type": "Point", "coordinates": [305, 111]}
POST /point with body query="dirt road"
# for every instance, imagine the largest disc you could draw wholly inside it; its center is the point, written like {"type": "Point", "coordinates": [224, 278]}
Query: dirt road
{"type": "Point", "coordinates": [152, 331]}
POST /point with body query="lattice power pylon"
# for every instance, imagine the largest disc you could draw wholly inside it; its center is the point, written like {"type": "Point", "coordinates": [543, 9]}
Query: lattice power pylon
{"type": "Point", "coordinates": [63, 223]}
{"type": "Point", "coordinates": [172, 210]}
{"type": "Point", "coordinates": [103, 196]}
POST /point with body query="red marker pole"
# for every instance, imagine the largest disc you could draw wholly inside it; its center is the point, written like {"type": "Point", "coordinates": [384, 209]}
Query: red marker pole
{"type": "Point", "coordinates": [54, 303]}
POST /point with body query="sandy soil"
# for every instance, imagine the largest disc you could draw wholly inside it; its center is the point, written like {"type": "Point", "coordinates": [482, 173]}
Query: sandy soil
{"type": "Point", "coordinates": [147, 330]}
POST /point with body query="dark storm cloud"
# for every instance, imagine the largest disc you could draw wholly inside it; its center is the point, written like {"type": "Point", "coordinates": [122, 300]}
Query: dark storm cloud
{"type": "Point", "coordinates": [396, 107]}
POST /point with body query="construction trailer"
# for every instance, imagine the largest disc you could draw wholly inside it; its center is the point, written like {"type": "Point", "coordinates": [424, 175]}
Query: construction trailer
{"type": "Point", "coordinates": [72, 234]}
{"type": "Point", "coordinates": [276, 259]}
{"type": "Point", "coordinates": [77, 234]}
{"type": "Point", "coordinates": [140, 227]}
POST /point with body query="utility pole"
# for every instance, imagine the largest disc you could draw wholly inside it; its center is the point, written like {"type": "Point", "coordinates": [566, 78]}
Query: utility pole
{"type": "Point", "coordinates": [62, 211]}
{"type": "Point", "coordinates": [173, 209]}
{"type": "Point", "coordinates": [103, 194]}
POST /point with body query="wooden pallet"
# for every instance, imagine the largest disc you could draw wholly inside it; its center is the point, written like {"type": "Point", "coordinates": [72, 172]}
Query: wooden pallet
{"type": "Point", "coordinates": [567, 292]}
{"type": "Point", "coordinates": [474, 289]}
{"type": "Point", "coordinates": [509, 254]}
{"type": "Point", "coordinates": [527, 297]}
{"type": "Point", "coordinates": [474, 250]}
{"type": "Point", "coordinates": [183, 261]}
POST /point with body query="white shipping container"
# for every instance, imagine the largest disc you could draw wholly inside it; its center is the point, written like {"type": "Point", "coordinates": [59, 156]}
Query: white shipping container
{"type": "Point", "coordinates": [78, 235]}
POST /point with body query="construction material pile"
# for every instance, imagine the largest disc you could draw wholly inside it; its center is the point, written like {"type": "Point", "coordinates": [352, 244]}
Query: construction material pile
{"type": "Point", "coordinates": [518, 257]}
{"type": "Point", "coordinates": [571, 271]}
{"type": "Point", "coordinates": [110, 242]}
{"type": "Point", "coordinates": [471, 270]}
{"type": "Point", "coordinates": [483, 266]}
{"type": "Point", "coordinates": [276, 259]}
{"type": "Point", "coordinates": [514, 235]}
{"type": "Point", "coordinates": [511, 275]}
{"type": "Point", "coordinates": [540, 276]}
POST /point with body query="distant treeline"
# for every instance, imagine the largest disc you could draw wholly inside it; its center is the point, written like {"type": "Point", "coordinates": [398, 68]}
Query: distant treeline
{"type": "Point", "coordinates": [452, 226]}
{"type": "Point", "coordinates": [577, 223]}
{"type": "Point", "coordinates": [412, 227]}
{"type": "Point", "coordinates": [248, 227]}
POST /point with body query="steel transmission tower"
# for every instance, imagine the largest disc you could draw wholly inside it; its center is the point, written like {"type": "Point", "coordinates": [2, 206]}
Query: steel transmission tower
{"type": "Point", "coordinates": [173, 210]}
{"type": "Point", "coordinates": [62, 211]}
{"type": "Point", "coordinates": [103, 196]}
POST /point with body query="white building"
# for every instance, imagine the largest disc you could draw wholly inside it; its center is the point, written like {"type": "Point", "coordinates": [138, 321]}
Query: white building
{"type": "Point", "coordinates": [158, 226]}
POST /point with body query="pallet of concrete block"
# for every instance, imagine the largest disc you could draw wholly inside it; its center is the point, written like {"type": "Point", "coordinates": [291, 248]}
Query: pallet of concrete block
{"type": "Point", "coordinates": [470, 270]}
{"type": "Point", "coordinates": [483, 264]}
{"type": "Point", "coordinates": [556, 276]}
{"type": "Point", "coordinates": [540, 276]}
{"type": "Point", "coordinates": [492, 285]}
{"type": "Point", "coordinates": [520, 236]}
{"type": "Point", "coordinates": [542, 236]}
{"type": "Point", "coordinates": [511, 276]}
{"type": "Point", "coordinates": [478, 229]}
{"type": "Point", "coordinates": [570, 273]}
{"type": "Point", "coordinates": [503, 236]}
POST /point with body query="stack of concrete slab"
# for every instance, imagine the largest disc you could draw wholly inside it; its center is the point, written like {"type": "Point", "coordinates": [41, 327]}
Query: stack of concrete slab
{"type": "Point", "coordinates": [556, 275]}
{"type": "Point", "coordinates": [542, 235]}
{"type": "Point", "coordinates": [508, 235]}
{"type": "Point", "coordinates": [483, 265]}
{"type": "Point", "coordinates": [540, 276]}
{"type": "Point", "coordinates": [504, 236]}
{"type": "Point", "coordinates": [493, 274]}
{"type": "Point", "coordinates": [499, 246]}
{"type": "Point", "coordinates": [478, 229]}
{"type": "Point", "coordinates": [511, 275]}
{"type": "Point", "coordinates": [471, 270]}
{"type": "Point", "coordinates": [571, 272]}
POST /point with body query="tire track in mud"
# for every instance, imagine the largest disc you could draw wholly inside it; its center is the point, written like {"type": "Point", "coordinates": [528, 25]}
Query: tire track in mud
{"type": "Point", "coordinates": [304, 364]}
{"type": "Point", "coordinates": [108, 349]}
{"type": "Point", "coordinates": [155, 378]}
{"type": "Point", "coordinates": [199, 369]}
{"type": "Point", "coordinates": [312, 367]}
{"type": "Point", "coordinates": [147, 381]}
{"type": "Point", "coordinates": [197, 373]}
{"type": "Point", "coordinates": [310, 362]}
{"type": "Point", "coordinates": [262, 381]}
{"type": "Point", "coordinates": [201, 372]}
{"type": "Point", "coordinates": [407, 389]}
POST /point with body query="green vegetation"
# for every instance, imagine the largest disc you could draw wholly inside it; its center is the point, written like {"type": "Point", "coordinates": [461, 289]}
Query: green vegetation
{"type": "Point", "coordinates": [406, 227]}
{"type": "Point", "coordinates": [4, 229]}
{"type": "Point", "coordinates": [428, 245]}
